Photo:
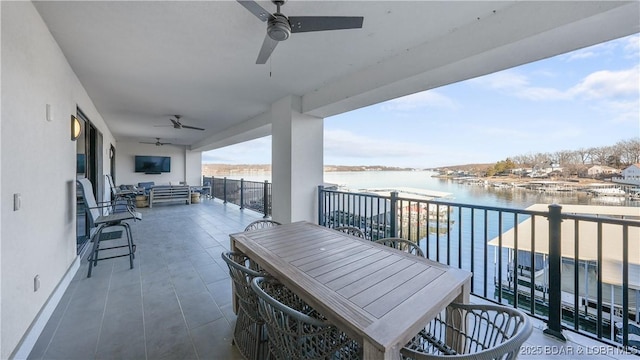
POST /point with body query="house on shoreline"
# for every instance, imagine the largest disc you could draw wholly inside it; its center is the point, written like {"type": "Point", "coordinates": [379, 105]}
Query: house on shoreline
{"type": "Point", "coordinates": [630, 175]}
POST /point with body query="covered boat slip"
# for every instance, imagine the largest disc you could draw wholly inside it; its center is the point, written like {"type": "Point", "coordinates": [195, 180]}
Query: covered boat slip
{"type": "Point", "coordinates": [588, 232]}
{"type": "Point", "coordinates": [587, 237]}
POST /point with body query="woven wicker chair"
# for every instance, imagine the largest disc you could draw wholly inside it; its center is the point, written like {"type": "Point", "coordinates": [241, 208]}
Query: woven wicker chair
{"type": "Point", "coordinates": [297, 331]}
{"type": "Point", "coordinates": [249, 334]}
{"type": "Point", "coordinates": [402, 244]}
{"type": "Point", "coordinates": [489, 332]}
{"type": "Point", "coordinates": [261, 224]}
{"type": "Point", "coordinates": [351, 230]}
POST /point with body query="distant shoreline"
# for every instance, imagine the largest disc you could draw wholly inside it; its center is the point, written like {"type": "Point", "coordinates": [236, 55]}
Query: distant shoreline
{"type": "Point", "coordinates": [227, 169]}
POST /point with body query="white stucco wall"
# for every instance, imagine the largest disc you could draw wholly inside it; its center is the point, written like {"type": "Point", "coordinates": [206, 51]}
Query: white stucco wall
{"type": "Point", "coordinates": [186, 165]}
{"type": "Point", "coordinates": [38, 162]}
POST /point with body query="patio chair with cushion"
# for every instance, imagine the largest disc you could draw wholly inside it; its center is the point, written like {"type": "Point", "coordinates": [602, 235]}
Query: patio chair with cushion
{"type": "Point", "coordinates": [96, 213]}
{"type": "Point", "coordinates": [469, 331]}
{"type": "Point", "coordinates": [123, 198]}
{"type": "Point", "coordinates": [249, 334]}
{"type": "Point", "coordinates": [261, 224]}
{"type": "Point", "coordinates": [146, 186]}
{"type": "Point", "coordinates": [351, 230]}
{"type": "Point", "coordinates": [402, 244]}
{"type": "Point", "coordinates": [295, 329]}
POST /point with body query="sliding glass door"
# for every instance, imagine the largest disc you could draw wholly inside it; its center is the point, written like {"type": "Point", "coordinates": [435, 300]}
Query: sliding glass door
{"type": "Point", "coordinates": [89, 164]}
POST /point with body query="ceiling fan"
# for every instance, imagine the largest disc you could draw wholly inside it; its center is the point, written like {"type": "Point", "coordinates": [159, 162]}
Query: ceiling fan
{"type": "Point", "coordinates": [178, 125]}
{"type": "Point", "coordinates": [280, 26]}
{"type": "Point", "coordinates": [157, 143]}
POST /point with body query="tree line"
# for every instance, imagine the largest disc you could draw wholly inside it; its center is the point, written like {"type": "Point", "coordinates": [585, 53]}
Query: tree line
{"type": "Point", "coordinates": [576, 162]}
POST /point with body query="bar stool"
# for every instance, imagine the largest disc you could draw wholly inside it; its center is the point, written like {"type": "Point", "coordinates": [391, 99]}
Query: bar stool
{"type": "Point", "coordinates": [103, 222]}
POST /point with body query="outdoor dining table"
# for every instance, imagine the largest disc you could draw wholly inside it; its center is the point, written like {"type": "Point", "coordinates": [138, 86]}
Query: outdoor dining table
{"type": "Point", "coordinates": [377, 295]}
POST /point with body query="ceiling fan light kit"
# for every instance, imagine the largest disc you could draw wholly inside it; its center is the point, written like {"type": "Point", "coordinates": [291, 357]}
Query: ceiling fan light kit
{"type": "Point", "coordinates": [279, 28]}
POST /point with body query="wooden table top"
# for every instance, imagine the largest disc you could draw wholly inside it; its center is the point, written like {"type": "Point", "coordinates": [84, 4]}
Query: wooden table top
{"type": "Point", "coordinates": [376, 294]}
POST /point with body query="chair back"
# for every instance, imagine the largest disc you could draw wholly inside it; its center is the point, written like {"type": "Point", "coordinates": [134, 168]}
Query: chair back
{"type": "Point", "coordinates": [261, 224]}
{"type": "Point", "coordinates": [296, 330]}
{"type": "Point", "coordinates": [471, 331]}
{"type": "Point", "coordinates": [111, 186]}
{"type": "Point", "coordinates": [351, 230]}
{"type": "Point", "coordinates": [242, 270]}
{"type": "Point", "coordinates": [89, 199]}
{"type": "Point", "coordinates": [402, 244]}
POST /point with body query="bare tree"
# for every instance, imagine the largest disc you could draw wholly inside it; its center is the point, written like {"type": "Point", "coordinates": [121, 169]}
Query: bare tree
{"type": "Point", "coordinates": [584, 155]}
{"type": "Point", "coordinates": [600, 155]}
{"type": "Point", "coordinates": [629, 151]}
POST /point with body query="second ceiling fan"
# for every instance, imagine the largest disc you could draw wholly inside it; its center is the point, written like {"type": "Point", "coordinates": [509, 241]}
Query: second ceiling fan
{"type": "Point", "coordinates": [280, 26]}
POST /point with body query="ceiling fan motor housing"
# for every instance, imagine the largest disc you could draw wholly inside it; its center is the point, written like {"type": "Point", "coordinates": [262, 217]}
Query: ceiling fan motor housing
{"type": "Point", "coordinates": [279, 28]}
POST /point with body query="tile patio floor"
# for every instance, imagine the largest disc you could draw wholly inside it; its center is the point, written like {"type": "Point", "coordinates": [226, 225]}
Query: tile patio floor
{"type": "Point", "coordinates": [176, 302]}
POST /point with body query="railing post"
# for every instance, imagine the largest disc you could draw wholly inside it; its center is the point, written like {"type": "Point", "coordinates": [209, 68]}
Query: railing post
{"type": "Point", "coordinates": [320, 202]}
{"type": "Point", "coordinates": [224, 190]}
{"type": "Point", "coordinates": [394, 213]}
{"type": "Point", "coordinates": [265, 201]}
{"type": "Point", "coordinates": [554, 328]}
{"type": "Point", "coordinates": [241, 194]}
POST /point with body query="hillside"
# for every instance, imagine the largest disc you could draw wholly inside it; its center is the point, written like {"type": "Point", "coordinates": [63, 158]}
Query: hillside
{"type": "Point", "coordinates": [227, 169]}
{"type": "Point", "coordinates": [468, 167]}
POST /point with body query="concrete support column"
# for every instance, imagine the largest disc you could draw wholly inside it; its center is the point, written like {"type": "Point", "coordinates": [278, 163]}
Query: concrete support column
{"type": "Point", "coordinates": [297, 161]}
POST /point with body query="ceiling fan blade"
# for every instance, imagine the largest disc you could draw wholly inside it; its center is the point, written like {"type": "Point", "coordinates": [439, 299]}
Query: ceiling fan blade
{"type": "Point", "coordinates": [142, 142]}
{"type": "Point", "coordinates": [267, 48]}
{"type": "Point", "coordinates": [191, 127]}
{"type": "Point", "coordinates": [255, 9]}
{"type": "Point", "coordinates": [175, 122]}
{"type": "Point", "coordinates": [322, 23]}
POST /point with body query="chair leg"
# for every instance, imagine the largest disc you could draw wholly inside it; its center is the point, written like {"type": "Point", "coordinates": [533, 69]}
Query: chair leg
{"type": "Point", "coordinates": [133, 245]}
{"type": "Point", "coordinates": [93, 256]}
{"type": "Point", "coordinates": [130, 243]}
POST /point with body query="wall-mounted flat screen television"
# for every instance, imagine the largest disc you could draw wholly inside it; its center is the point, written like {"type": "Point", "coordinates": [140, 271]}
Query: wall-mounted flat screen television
{"type": "Point", "coordinates": [152, 164]}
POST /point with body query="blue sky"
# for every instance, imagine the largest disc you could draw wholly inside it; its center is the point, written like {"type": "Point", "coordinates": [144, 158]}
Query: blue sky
{"type": "Point", "coordinates": [586, 98]}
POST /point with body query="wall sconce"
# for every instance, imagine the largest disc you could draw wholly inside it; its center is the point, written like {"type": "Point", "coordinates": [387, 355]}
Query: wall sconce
{"type": "Point", "coordinates": [76, 128]}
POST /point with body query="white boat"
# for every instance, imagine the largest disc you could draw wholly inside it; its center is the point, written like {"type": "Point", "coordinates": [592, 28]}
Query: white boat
{"type": "Point", "coordinates": [608, 192]}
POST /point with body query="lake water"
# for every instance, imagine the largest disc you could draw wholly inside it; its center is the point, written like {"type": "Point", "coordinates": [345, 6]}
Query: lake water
{"type": "Point", "coordinates": [461, 193]}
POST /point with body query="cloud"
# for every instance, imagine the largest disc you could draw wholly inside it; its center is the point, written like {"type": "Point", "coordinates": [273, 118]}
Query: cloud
{"type": "Point", "coordinates": [519, 85]}
{"type": "Point", "coordinates": [256, 151]}
{"type": "Point", "coordinates": [625, 111]}
{"type": "Point", "coordinates": [430, 98]}
{"type": "Point", "coordinates": [608, 84]}
{"type": "Point", "coordinates": [345, 144]}
{"type": "Point", "coordinates": [604, 84]}
{"type": "Point", "coordinates": [632, 46]}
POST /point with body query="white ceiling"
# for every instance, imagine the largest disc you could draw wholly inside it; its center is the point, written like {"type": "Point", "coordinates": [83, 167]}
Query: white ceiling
{"type": "Point", "coordinates": [143, 61]}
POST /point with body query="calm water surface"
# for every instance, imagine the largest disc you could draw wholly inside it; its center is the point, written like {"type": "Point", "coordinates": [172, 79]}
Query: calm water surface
{"type": "Point", "coordinates": [461, 193]}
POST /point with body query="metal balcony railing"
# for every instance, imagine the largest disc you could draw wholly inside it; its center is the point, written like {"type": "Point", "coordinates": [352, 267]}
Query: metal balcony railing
{"type": "Point", "coordinates": [246, 194]}
{"type": "Point", "coordinates": [576, 272]}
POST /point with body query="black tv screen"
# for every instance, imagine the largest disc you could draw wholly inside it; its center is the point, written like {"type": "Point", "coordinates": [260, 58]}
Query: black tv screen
{"type": "Point", "coordinates": [152, 164]}
{"type": "Point", "coordinates": [80, 160]}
